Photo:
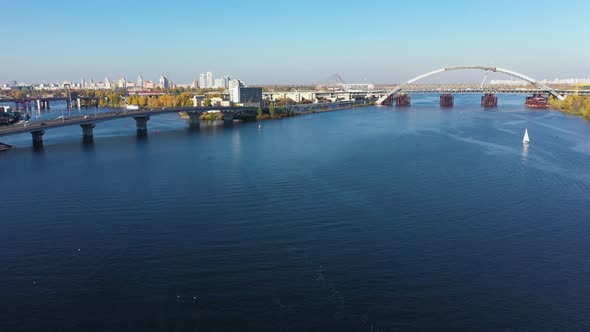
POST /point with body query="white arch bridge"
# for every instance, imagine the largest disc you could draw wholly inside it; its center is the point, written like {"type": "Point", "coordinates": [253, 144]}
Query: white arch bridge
{"type": "Point", "coordinates": [534, 82]}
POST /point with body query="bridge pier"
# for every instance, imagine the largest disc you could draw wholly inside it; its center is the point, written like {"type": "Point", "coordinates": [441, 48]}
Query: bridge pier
{"type": "Point", "coordinates": [447, 100]}
{"type": "Point", "coordinates": [79, 103]}
{"type": "Point", "coordinates": [228, 118]}
{"type": "Point", "coordinates": [38, 137]}
{"type": "Point", "coordinates": [489, 100]}
{"type": "Point", "coordinates": [88, 132]}
{"type": "Point", "coordinates": [193, 120]}
{"type": "Point", "coordinates": [141, 123]}
{"type": "Point", "coordinates": [402, 100]}
{"type": "Point", "coordinates": [537, 101]}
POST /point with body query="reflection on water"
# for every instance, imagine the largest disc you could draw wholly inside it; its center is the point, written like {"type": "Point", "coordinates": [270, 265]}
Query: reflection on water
{"type": "Point", "coordinates": [525, 151]}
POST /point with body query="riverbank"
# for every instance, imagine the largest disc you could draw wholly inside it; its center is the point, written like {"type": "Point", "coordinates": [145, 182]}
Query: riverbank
{"type": "Point", "coordinates": [576, 105]}
{"type": "Point", "coordinates": [311, 109]}
{"type": "Point", "coordinates": [344, 107]}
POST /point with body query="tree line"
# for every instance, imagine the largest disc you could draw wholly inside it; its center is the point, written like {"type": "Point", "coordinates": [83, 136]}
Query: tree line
{"type": "Point", "coordinates": [572, 104]}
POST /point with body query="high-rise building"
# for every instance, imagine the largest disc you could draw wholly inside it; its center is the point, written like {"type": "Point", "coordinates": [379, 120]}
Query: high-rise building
{"type": "Point", "coordinates": [123, 82]}
{"type": "Point", "coordinates": [209, 79]}
{"type": "Point", "coordinates": [219, 83]}
{"type": "Point", "coordinates": [164, 82]}
{"type": "Point", "coordinates": [195, 84]}
{"type": "Point", "coordinates": [234, 90]}
{"type": "Point", "coordinates": [82, 83]}
{"type": "Point", "coordinates": [107, 83]}
{"type": "Point", "coordinates": [202, 82]}
{"type": "Point", "coordinates": [139, 83]}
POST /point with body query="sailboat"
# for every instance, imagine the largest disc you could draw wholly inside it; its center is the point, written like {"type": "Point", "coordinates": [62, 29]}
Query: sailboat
{"type": "Point", "coordinates": [525, 139]}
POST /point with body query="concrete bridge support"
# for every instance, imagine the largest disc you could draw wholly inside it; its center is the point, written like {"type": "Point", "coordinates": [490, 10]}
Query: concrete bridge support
{"type": "Point", "coordinates": [141, 122]}
{"type": "Point", "coordinates": [228, 118]}
{"type": "Point", "coordinates": [79, 103]}
{"type": "Point", "coordinates": [193, 120]}
{"type": "Point", "coordinates": [38, 138]}
{"type": "Point", "coordinates": [39, 106]}
{"type": "Point", "coordinates": [87, 132]}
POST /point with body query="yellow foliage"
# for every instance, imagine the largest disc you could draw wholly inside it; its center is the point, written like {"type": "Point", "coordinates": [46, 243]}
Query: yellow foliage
{"type": "Point", "coordinates": [573, 104]}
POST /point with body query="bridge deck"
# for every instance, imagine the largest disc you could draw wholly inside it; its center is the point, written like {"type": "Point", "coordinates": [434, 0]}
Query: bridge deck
{"type": "Point", "coordinates": [86, 119]}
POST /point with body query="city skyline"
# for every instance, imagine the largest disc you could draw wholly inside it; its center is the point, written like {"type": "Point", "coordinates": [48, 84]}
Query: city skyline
{"type": "Point", "coordinates": [376, 43]}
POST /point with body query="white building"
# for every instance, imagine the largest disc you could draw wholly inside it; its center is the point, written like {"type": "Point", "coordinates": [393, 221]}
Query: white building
{"type": "Point", "coordinates": [107, 83]}
{"type": "Point", "coordinates": [209, 79]}
{"type": "Point", "coordinates": [220, 83]}
{"type": "Point", "coordinates": [122, 82]}
{"type": "Point", "coordinates": [164, 82]}
{"type": "Point", "coordinates": [234, 90]}
{"type": "Point", "coordinates": [202, 82]}
{"type": "Point", "coordinates": [510, 82]}
{"type": "Point", "coordinates": [570, 81]}
{"type": "Point", "coordinates": [139, 81]}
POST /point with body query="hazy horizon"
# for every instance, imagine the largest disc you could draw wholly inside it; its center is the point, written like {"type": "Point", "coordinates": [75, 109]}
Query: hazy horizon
{"type": "Point", "coordinates": [304, 43]}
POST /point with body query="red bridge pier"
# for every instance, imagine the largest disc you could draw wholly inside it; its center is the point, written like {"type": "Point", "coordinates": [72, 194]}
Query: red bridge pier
{"type": "Point", "coordinates": [447, 100]}
{"type": "Point", "coordinates": [537, 101]}
{"type": "Point", "coordinates": [402, 100]}
{"type": "Point", "coordinates": [489, 100]}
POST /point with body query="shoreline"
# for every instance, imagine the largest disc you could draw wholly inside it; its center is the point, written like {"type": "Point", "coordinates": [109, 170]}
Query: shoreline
{"type": "Point", "coordinates": [313, 111]}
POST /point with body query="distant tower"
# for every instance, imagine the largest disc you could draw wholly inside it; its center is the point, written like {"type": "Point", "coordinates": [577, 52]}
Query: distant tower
{"type": "Point", "coordinates": [139, 81]}
{"type": "Point", "coordinates": [82, 83]}
{"type": "Point", "coordinates": [202, 82]}
{"type": "Point", "coordinates": [209, 79]}
{"type": "Point", "coordinates": [123, 83]}
{"type": "Point", "coordinates": [107, 83]}
{"type": "Point", "coordinates": [164, 82]}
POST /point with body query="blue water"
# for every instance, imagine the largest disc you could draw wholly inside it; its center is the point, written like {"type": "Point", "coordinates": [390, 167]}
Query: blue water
{"type": "Point", "coordinates": [371, 219]}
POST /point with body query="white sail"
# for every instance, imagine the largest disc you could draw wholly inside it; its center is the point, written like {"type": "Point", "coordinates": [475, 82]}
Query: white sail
{"type": "Point", "coordinates": [525, 139]}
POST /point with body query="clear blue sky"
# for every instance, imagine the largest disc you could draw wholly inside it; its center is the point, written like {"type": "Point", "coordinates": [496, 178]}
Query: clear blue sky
{"type": "Point", "coordinates": [290, 42]}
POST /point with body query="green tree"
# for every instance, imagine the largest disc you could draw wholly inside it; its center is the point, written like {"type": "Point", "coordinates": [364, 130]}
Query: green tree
{"type": "Point", "coordinates": [207, 102]}
{"type": "Point", "coordinates": [271, 110]}
{"type": "Point", "coordinates": [259, 111]}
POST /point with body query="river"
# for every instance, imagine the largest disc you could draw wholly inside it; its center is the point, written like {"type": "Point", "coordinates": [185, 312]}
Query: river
{"type": "Point", "coordinates": [370, 219]}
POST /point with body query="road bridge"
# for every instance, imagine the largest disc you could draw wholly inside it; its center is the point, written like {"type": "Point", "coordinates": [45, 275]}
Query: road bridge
{"type": "Point", "coordinates": [141, 116]}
